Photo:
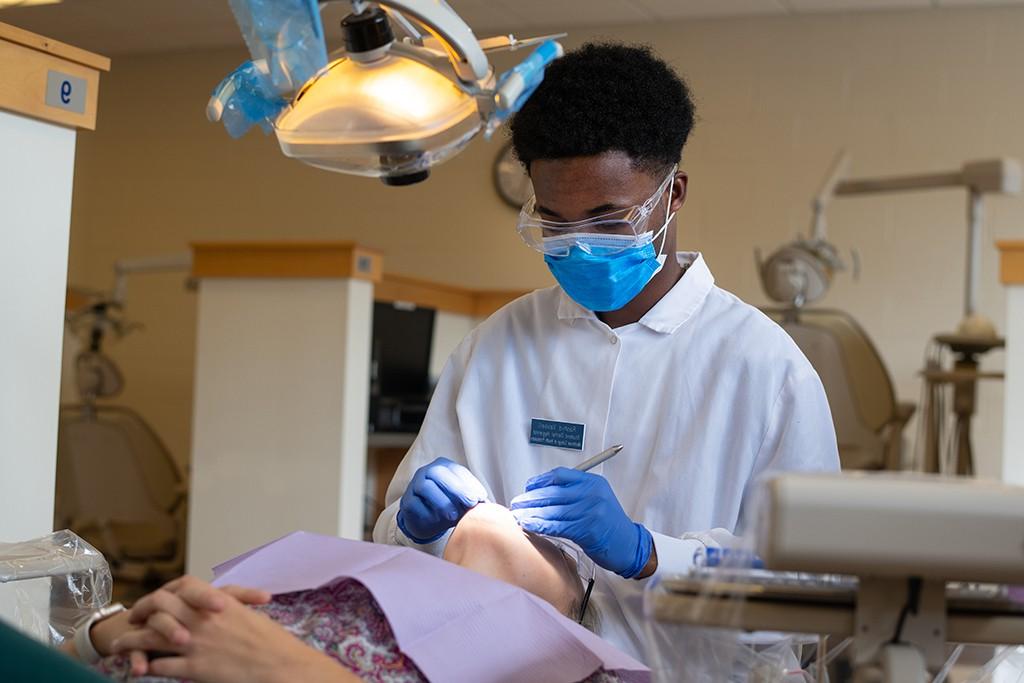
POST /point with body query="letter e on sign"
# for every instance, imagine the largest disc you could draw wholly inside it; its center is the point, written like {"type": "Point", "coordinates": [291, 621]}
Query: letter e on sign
{"type": "Point", "coordinates": [64, 91]}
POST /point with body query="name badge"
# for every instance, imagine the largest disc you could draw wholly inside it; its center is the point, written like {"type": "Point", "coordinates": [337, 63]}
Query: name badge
{"type": "Point", "coordinates": [558, 434]}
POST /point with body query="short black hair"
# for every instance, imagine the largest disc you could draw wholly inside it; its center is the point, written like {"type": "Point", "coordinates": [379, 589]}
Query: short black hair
{"type": "Point", "coordinates": [606, 97]}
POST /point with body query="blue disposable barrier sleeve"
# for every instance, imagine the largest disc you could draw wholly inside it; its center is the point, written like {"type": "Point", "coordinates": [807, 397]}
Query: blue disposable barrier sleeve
{"type": "Point", "coordinates": [531, 71]}
{"type": "Point", "coordinates": [244, 99]}
{"type": "Point", "coordinates": [286, 41]}
{"type": "Point", "coordinates": [286, 35]}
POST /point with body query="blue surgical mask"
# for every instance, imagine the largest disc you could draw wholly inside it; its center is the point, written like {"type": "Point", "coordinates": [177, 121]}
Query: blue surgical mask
{"type": "Point", "coordinates": [609, 271]}
{"type": "Point", "coordinates": [600, 281]}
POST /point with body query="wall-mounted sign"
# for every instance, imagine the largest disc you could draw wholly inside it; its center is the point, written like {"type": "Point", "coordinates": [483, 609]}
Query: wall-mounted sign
{"type": "Point", "coordinates": [65, 92]}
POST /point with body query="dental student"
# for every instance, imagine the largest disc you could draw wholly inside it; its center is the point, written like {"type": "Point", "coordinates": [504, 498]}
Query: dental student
{"type": "Point", "coordinates": [635, 346]}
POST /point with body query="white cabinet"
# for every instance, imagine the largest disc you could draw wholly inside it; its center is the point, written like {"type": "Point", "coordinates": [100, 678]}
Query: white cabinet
{"type": "Point", "coordinates": [47, 91]}
{"type": "Point", "coordinates": [281, 394]}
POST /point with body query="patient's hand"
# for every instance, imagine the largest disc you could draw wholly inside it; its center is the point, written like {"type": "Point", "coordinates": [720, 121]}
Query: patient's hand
{"type": "Point", "coordinates": [153, 615]}
{"type": "Point", "coordinates": [489, 540]}
{"type": "Point", "coordinates": [211, 636]}
{"type": "Point", "coordinates": [103, 633]}
{"type": "Point", "coordinates": [158, 609]}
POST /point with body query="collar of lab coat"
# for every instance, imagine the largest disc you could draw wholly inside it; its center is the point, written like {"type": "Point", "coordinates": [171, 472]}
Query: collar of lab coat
{"type": "Point", "coordinates": [674, 309]}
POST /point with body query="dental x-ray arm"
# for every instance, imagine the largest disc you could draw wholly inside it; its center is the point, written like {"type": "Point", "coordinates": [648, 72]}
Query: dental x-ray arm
{"type": "Point", "coordinates": [825, 194]}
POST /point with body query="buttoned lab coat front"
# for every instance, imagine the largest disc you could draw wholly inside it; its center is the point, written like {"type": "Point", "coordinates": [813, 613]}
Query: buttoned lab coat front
{"type": "Point", "coordinates": [705, 393]}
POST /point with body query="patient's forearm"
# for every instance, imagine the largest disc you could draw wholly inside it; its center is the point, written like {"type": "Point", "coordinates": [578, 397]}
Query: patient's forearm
{"type": "Point", "coordinates": [102, 634]}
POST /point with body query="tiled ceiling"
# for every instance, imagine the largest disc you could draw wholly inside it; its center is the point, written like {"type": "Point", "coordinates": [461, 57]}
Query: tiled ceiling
{"type": "Point", "coordinates": [127, 26]}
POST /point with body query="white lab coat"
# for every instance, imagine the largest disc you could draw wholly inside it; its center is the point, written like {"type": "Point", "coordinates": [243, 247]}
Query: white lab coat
{"type": "Point", "coordinates": [705, 392]}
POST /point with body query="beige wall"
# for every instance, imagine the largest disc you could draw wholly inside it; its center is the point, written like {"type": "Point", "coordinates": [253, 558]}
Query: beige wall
{"type": "Point", "coordinates": [904, 92]}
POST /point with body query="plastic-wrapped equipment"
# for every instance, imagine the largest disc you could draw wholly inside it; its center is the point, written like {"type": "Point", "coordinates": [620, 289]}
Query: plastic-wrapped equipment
{"type": "Point", "coordinates": [691, 653]}
{"type": "Point", "coordinates": [49, 584]}
{"type": "Point", "coordinates": [286, 40]}
{"type": "Point", "coordinates": [765, 610]}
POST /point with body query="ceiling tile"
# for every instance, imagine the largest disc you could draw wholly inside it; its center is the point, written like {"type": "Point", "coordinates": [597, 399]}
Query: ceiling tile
{"type": "Point", "coordinates": [687, 9]}
{"type": "Point", "coordinates": [127, 26]}
{"type": "Point", "coordinates": [976, 3]}
{"type": "Point", "coordinates": [853, 5]}
{"type": "Point", "coordinates": [568, 13]}
{"type": "Point", "coordinates": [488, 16]}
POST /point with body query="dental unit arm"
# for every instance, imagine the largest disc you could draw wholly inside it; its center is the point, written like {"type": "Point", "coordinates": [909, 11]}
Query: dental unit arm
{"type": "Point", "coordinates": [381, 107]}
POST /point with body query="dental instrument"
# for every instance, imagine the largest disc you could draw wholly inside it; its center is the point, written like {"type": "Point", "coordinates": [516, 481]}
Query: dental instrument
{"type": "Point", "coordinates": [591, 463]}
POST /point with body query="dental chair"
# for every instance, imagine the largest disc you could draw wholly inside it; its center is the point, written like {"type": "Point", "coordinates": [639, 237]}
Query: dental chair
{"type": "Point", "coordinates": [869, 421]}
{"type": "Point", "coordinates": [118, 487]}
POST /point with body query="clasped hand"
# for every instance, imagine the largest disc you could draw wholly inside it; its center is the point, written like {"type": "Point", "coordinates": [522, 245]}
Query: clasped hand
{"type": "Point", "coordinates": [582, 507]}
{"type": "Point", "coordinates": [209, 634]}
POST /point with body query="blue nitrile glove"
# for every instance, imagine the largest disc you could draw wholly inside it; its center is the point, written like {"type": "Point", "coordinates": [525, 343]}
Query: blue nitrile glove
{"type": "Point", "coordinates": [436, 498]}
{"type": "Point", "coordinates": [581, 507]}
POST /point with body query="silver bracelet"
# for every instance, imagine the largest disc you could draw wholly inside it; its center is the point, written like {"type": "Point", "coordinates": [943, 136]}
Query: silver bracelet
{"type": "Point", "coordinates": [84, 648]}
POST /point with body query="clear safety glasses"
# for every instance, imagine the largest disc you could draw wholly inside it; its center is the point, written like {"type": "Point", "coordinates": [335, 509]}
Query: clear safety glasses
{"type": "Point", "coordinates": [610, 232]}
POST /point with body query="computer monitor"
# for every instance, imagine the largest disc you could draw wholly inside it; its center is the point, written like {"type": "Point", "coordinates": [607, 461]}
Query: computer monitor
{"type": "Point", "coordinates": [402, 338]}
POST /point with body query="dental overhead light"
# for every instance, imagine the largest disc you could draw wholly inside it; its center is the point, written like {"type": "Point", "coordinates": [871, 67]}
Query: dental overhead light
{"type": "Point", "coordinates": [381, 106]}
